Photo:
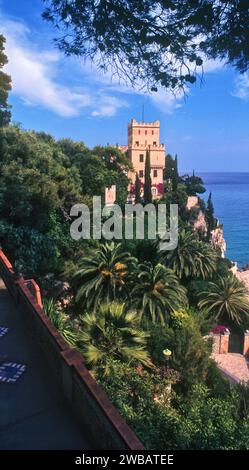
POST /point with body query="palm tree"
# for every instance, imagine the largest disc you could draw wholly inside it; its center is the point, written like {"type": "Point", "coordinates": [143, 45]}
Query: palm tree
{"type": "Point", "coordinates": [226, 298]}
{"type": "Point", "coordinates": [102, 275]}
{"type": "Point", "coordinates": [157, 292]}
{"type": "Point", "coordinates": [191, 258]}
{"type": "Point", "coordinates": [112, 333]}
{"type": "Point", "coordinates": [206, 260]}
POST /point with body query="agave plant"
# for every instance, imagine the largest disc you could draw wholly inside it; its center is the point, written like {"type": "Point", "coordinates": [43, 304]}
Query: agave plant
{"type": "Point", "coordinates": [226, 298]}
{"type": "Point", "coordinates": [103, 275]}
{"type": "Point", "coordinates": [157, 292]}
{"type": "Point", "coordinates": [112, 332]}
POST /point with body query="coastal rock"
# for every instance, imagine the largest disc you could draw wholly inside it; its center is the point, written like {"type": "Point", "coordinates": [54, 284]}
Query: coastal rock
{"type": "Point", "coordinates": [197, 218]}
{"type": "Point", "coordinates": [200, 223]}
{"type": "Point", "coordinates": [192, 201]}
{"type": "Point", "coordinates": [217, 240]}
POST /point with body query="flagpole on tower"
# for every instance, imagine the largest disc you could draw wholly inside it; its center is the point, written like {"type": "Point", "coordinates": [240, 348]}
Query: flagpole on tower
{"type": "Point", "coordinates": [143, 113]}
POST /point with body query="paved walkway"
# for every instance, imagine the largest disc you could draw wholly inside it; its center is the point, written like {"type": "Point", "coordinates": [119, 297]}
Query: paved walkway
{"type": "Point", "coordinates": [244, 277]}
{"type": "Point", "coordinates": [33, 414]}
{"type": "Point", "coordinates": [233, 364]}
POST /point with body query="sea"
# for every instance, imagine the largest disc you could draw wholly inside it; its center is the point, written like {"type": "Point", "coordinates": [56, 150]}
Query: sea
{"type": "Point", "coordinates": [230, 195]}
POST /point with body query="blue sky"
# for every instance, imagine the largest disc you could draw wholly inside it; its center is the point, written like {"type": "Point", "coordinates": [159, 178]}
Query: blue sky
{"type": "Point", "coordinates": [209, 129]}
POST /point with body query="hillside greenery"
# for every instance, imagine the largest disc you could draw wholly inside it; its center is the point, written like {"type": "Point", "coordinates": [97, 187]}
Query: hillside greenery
{"type": "Point", "coordinates": [129, 302]}
{"type": "Point", "coordinates": [138, 315]}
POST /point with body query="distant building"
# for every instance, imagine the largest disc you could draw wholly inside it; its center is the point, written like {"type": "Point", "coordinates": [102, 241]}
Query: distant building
{"type": "Point", "coordinates": [143, 136]}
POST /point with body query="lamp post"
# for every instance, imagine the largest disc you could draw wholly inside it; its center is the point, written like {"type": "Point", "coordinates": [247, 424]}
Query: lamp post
{"type": "Point", "coordinates": [167, 354]}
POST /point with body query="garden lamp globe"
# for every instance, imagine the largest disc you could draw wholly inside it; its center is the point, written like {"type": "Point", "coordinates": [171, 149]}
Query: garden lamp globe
{"type": "Point", "coordinates": [167, 353]}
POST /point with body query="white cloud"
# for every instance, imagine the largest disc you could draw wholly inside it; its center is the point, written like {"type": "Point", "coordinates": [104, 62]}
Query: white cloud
{"type": "Point", "coordinates": [241, 88]}
{"type": "Point", "coordinates": [34, 78]}
{"type": "Point", "coordinates": [163, 99]}
{"type": "Point", "coordinates": [107, 106]}
{"type": "Point", "coordinates": [213, 65]}
{"type": "Point", "coordinates": [166, 101]}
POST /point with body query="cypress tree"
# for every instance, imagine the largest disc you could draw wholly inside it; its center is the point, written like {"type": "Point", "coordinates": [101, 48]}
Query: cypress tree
{"type": "Point", "coordinates": [137, 189]}
{"type": "Point", "coordinates": [147, 180]}
{"type": "Point", "coordinates": [175, 178]}
{"type": "Point", "coordinates": [169, 169]}
{"type": "Point", "coordinates": [210, 215]}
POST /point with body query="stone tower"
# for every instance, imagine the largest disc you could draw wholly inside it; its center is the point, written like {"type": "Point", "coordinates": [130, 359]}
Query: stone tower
{"type": "Point", "coordinates": [143, 136]}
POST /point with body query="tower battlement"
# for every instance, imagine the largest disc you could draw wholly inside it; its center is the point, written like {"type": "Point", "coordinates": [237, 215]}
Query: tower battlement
{"type": "Point", "coordinates": [134, 122]}
{"type": "Point", "coordinates": [143, 136]}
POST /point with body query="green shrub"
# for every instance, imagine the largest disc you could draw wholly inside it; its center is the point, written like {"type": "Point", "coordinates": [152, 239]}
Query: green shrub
{"type": "Point", "coordinates": [33, 253]}
{"type": "Point", "coordinates": [212, 422]}
{"type": "Point", "coordinates": [155, 424]}
{"type": "Point", "coordinates": [200, 422]}
{"type": "Point", "coordinates": [190, 352]}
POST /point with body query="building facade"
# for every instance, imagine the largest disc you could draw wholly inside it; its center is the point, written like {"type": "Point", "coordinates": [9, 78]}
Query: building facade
{"type": "Point", "coordinates": [143, 136]}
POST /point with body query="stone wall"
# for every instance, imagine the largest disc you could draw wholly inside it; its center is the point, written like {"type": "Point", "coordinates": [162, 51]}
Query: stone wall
{"type": "Point", "coordinates": [220, 342]}
{"type": "Point", "coordinates": [216, 344]}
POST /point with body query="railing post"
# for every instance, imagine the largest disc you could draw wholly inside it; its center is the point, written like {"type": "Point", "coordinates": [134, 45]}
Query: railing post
{"type": "Point", "coordinates": [224, 342]}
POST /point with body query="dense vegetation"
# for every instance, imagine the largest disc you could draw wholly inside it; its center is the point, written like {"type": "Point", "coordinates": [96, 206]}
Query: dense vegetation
{"type": "Point", "coordinates": [137, 314]}
{"type": "Point", "coordinates": [40, 180]}
{"type": "Point", "coordinates": [128, 302]}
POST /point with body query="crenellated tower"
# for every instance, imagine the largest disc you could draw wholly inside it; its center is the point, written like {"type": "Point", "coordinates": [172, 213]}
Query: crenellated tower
{"type": "Point", "coordinates": [143, 136]}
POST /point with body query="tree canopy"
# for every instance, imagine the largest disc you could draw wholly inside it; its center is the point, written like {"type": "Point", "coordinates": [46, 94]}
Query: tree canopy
{"type": "Point", "coordinates": [153, 43]}
{"type": "Point", "coordinates": [5, 86]}
{"type": "Point", "coordinates": [194, 184]}
{"type": "Point", "coordinates": [40, 180]}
